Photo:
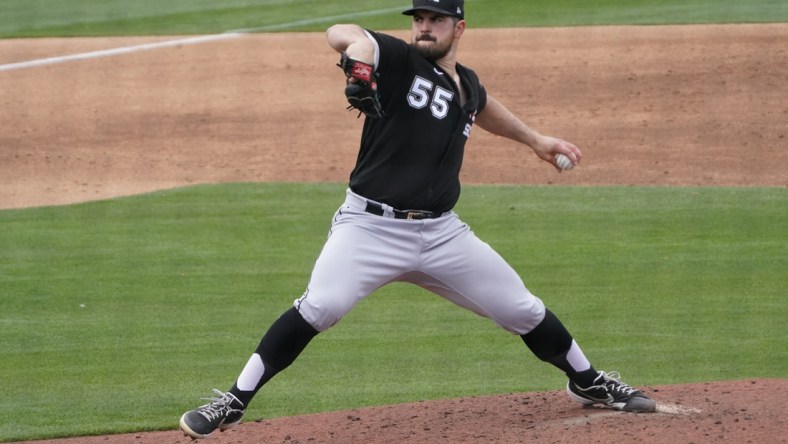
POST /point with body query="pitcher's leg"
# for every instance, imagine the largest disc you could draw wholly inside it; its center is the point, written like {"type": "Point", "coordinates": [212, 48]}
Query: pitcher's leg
{"type": "Point", "coordinates": [357, 259]}
{"type": "Point", "coordinates": [551, 342]}
{"type": "Point", "coordinates": [470, 273]}
{"type": "Point", "coordinates": [287, 337]}
{"type": "Point", "coordinates": [351, 265]}
{"type": "Point", "coordinates": [283, 342]}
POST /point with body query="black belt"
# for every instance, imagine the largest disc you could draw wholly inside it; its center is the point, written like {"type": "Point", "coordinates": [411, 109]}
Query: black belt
{"type": "Point", "coordinates": [377, 209]}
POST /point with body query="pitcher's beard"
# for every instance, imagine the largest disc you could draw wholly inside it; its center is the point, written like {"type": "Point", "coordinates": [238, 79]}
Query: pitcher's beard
{"type": "Point", "coordinates": [431, 52]}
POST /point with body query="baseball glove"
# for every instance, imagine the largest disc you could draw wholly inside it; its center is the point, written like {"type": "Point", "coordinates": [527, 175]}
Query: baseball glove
{"type": "Point", "coordinates": [362, 87]}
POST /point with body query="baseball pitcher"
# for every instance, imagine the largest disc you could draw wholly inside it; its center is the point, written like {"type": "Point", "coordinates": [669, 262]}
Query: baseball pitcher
{"type": "Point", "coordinates": [396, 223]}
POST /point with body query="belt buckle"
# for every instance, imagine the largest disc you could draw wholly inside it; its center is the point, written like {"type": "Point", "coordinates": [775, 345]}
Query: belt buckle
{"type": "Point", "coordinates": [417, 215]}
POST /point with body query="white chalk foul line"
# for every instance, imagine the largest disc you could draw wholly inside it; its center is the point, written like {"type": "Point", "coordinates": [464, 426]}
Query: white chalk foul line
{"type": "Point", "coordinates": [187, 41]}
{"type": "Point", "coordinates": [317, 20]}
{"type": "Point", "coordinates": [117, 51]}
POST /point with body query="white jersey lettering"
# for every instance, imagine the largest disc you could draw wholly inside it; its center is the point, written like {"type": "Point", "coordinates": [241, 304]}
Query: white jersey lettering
{"type": "Point", "coordinates": [419, 96]}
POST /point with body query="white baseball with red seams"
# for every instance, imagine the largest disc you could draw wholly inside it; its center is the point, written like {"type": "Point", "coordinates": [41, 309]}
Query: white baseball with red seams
{"type": "Point", "coordinates": [563, 162]}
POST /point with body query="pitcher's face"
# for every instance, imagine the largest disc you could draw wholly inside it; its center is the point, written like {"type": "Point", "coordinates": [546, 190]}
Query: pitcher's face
{"type": "Point", "coordinates": [434, 34]}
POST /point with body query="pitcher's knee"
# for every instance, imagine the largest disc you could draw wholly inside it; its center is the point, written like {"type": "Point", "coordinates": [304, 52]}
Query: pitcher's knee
{"type": "Point", "coordinates": [320, 314]}
{"type": "Point", "coordinates": [523, 316]}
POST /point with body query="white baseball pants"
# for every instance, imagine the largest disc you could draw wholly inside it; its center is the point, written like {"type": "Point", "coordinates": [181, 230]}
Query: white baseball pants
{"type": "Point", "coordinates": [364, 252]}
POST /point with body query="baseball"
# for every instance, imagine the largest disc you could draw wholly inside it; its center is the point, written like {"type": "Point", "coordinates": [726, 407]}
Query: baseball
{"type": "Point", "coordinates": [563, 162]}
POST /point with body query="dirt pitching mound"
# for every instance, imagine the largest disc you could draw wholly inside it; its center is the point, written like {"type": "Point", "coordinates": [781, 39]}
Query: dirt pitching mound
{"type": "Point", "coordinates": [750, 411]}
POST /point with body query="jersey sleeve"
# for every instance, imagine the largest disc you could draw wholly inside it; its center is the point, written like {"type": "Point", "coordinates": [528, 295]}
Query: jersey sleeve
{"type": "Point", "coordinates": [482, 98]}
{"type": "Point", "coordinates": [389, 51]}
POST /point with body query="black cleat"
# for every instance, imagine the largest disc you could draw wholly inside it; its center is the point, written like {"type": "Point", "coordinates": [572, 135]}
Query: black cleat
{"type": "Point", "coordinates": [610, 391]}
{"type": "Point", "coordinates": [221, 413]}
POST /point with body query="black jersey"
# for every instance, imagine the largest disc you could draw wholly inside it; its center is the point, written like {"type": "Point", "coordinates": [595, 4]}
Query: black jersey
{"type": "Point", "coordinates": [411, 158]}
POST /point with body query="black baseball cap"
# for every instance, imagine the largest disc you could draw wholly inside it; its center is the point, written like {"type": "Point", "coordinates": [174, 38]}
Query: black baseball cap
{"type": "Point", "coordinates": [453, 8]}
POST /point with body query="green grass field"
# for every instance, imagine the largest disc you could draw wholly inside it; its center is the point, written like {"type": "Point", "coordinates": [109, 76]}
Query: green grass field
{"type": "Point", "coordinates": [118, 315]}
{"type": "Point", "coordinates": [36, 18]}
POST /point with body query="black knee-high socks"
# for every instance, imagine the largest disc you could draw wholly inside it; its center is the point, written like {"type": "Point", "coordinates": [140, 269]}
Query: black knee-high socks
{"type": "Point", "coordinates": [550, 341]}
{"type": "Point", "coordinates": [289, 335]}
{"type": "Point", "coordinates": [282, 343]}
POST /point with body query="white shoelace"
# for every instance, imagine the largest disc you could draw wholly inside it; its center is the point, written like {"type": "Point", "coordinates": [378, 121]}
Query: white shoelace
{"type": "Point", "coordinates": [613, 382]}
{"type": "Point", "coordinates": [217, 407]}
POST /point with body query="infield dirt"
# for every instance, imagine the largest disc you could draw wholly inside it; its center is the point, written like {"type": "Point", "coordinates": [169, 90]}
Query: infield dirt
{"type": "Point", "coordinates": [663, 105]}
